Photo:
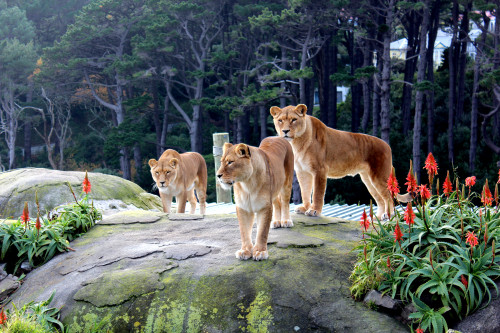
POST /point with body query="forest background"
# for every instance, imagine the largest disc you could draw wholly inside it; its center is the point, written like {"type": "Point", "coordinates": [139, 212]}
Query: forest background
{"type": "Point", "coordinates": [105, 85]}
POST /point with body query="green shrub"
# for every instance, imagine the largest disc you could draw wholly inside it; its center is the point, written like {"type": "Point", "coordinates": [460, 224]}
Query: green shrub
{"type": "Point", "coordinates": [445, 262]}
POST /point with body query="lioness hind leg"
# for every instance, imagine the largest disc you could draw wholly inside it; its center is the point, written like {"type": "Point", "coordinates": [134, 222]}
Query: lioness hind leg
{"type": "Point", "coordinates": [306, 183]}
{"type": "Point", "coordinates": [379, 200]}
{"type": "Point", "coordinates": [286, 221]}
{"type": "Point", "coordinates": [259, 251]}
{"type": "Point", "coordinates": [276, 222]}
{"type": "Point", "coordinates": [192, 201]}
{"type": "Point", "coordinates": [381, 187]}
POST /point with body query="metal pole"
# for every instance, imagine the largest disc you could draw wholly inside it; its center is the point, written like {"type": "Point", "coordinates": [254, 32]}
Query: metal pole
{"type": "Point", "coordinates": [219, 140]}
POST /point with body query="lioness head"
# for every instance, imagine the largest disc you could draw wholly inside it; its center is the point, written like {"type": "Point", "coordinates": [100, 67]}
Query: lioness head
{"type": "Point", "coordinates": [290, 122]}
{"type": "Point", "coordinates": [164, 171]}
{"type": "Point", "coordinates": [235, 165]}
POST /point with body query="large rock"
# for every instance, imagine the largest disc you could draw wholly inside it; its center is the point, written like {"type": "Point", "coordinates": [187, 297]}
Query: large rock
{"type": "Point", "coordinates": [180, 275]}
{"type": "Point", "coordinates": [108, 192]}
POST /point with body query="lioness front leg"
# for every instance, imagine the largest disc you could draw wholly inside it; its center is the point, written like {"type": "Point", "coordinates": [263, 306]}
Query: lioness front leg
{"type": "Point", "coordinates": [306, 183]}
{"type": "Point", "coordinates": [166, 201]}
{"type": "Point", "coordinates": [192, 201]}
{"type": "Point", "coordinates": [318, 194]}
{"type": "Point", "coordinates": [245, 220]}
{"type": "Point", "coordinates": [276, 222]}
{"type": "Point", "coordinates": [181, 202]}
{"type": "Point", "coordinates": [263, 225]}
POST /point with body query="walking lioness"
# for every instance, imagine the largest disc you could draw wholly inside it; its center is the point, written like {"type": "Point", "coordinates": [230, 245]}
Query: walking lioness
{"type": "Point", "coordinates": [322, 152]}
{"type": "Point", "coordinates": [179, 175]}
{"type": "Point", "coordinates": [262, 179]}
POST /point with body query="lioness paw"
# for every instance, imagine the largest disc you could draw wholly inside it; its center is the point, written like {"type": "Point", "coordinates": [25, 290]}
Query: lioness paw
{"type": "Point", "coordinates": [243, 254]}
{"type": "Point", "coordinates": [260, 255]}
{"type": "Point", "coordinates": [300, 210]}
{"type": "Point", "coordinates": [286, 223]}
{"type": "Point", "coordinates": [312, 212]}
{"type": "Point", "coordinates": [275, 224]}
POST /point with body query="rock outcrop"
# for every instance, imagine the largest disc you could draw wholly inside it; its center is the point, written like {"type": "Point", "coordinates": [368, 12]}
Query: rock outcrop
{"type": "Point", "coordinates": [108, 192]}
{"type": "Point", "coordinates": [143, 271]}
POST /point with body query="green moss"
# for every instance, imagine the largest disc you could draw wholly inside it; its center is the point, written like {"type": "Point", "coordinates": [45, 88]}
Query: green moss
{"type": "Point", "coordinates": [258, 315]}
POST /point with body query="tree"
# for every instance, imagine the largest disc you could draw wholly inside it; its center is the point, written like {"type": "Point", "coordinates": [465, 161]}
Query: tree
{"type": "Point", "coordinates": [98, 48]}
{"type": "Point", "coordinates": [17, 60]}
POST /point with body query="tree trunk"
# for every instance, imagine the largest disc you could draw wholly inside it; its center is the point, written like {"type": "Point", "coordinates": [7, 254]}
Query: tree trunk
{"type": "Point", "coordinates": [462, 60]}
{"type": "Point", "coordinates": [138, 163]}
{"type": "Point", "coordinates": [433, 29]}
{"type": "Point", "coordinates": [27, 141]}
{"type": "Point", "coordinates": [385, 88]}
{"type": "Point", "coordinates": [283, 84]}
{"type": "Point", "coordinates": [452, 83]}
{"type": "Point", "coordinates": [376, 98]}
{"type": "Point", "coordinates": [367, 61]}
{"type": "Point", "coordinates": [263, 121]}
{"type": "Point", "coordinates": [419, 98]}
{"type": "Point", "coordinates": [156, 117]}
{"type": "Point", "coordinates": [332, 111]}
{"type": "Point", "coordinates": [475, 98]}
{"type": "Point", "coordinates": [322, 73]}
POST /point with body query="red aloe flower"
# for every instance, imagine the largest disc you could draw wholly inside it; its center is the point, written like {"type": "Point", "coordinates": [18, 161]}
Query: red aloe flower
{"type": "Point", "coordinates": [431, 167]}
{"type": "Point", "coordinates": [498, 181]}
{"type": "Point", "coordinates": [464, 281]}
{"type": "Point", "coordinates": [419, 330]}
{"type": "Point", "coordinates": [3, 318]}
{"type": "Point", "coordinates": [38, 225]}
{"type": "Point", "coordinates": [86, 184]}
{"type": "Point", "coordinates": [409, 215]}
{"type": "Point", "coordinates": [25, 217]}
{"type": "Point", "coordinates": [496, 194]}
{"type": "Point", "coordinates": [424, 192]}
{"type": "Point", "coordinates": [470, 181]}
{"type": "Point", "coordinates": [486, 197]}
{"type": "Point", "coordinates": [388, 262]}
{"type": "Point", "coordinates": [392, 184]}
{"type": "Point", "coordinates": [447, 185]}
{"type": "Point", "coordinates": [365, 222]}
{"type": "Point", "coordinates": [398, 235]}
{"type": "Point", "coordinates": [411, 181]}
{"type": "Point", "coordinates": [471, 239]}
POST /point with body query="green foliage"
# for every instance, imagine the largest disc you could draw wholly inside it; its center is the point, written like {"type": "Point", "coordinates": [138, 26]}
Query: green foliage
{"type": "Point", "coordinates": [21, 241]}
{"type": "Point", "coordinates": [34, 318]}
{"type": "Point", "coordinates": [434, 265]}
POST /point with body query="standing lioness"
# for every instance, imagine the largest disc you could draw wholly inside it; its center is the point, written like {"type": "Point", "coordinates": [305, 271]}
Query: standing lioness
{"type": "Point", "coordinates": [262, 178]}
{"type": "Point", "coordinates": [179, 175]}
{"type": "Point", "coordinates": [322, 152]}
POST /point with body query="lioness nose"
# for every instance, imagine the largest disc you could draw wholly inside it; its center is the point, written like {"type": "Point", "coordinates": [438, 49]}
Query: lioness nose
{"type": "Point", "coordinates": [219, 175]}
{"type": "Point", "coordinates": [286, 131]}
{"type": "Point", "coordinates": [162, 183]}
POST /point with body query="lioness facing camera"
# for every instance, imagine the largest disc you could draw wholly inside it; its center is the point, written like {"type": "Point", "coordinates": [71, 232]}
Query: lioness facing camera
{"type": "Point", "coordinates": [322, 152]}
{"type": "Point", "coordinates": [262, 179]}
{"type": "Point", "coordinates": [179, 175]}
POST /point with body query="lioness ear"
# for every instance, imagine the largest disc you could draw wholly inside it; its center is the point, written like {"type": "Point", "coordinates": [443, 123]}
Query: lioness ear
{"type": "Point", "coordinates": [242, 150]}
{"type": "Point", "coordinates": [275, 111]}
{"type": "Point", "coordinates": [301, 110]}
{"type": "Point", "coordinates": [173, 163]}
{"type": "Point", "coordinates": [226, 146]}
{"type": "Point", "coordinates": [152, 163]}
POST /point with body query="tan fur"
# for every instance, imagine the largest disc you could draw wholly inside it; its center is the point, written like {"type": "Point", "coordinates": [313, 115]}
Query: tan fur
{"type": "Point", "coordinates": [179, 175]}
{"type": "Point", "coordinates": [322, 152]}
{"type": "Point", "coordinates": [262, 179]}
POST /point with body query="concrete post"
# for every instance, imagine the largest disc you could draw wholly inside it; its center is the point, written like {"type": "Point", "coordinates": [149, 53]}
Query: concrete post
{"type": "Point", "coordinates": [219, 140]}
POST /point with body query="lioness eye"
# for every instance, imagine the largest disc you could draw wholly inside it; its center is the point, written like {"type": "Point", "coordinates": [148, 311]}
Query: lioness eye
{"type": "Point", "coordinates": [157, 173]}
{"type": "Point", "coordinates": [229, 162]}
{"type": "Point", "coordinates": [280, 121]}
{"type": "Point", "coordinates": [293, 120]}
{"type": "Point", "coordinates": [168, 172]}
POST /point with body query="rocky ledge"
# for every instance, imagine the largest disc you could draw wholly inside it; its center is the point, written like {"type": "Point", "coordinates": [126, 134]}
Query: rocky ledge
{"type": "Point", "coordinates": [143, 271]}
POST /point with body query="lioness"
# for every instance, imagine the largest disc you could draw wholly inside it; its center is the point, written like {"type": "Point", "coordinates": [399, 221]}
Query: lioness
{"type": "Point", "coordinates": [179, 175]}
{"type": "Point", "coordinates": [262, 179]}
{"type": "Point", "coordinates": [322, 152]}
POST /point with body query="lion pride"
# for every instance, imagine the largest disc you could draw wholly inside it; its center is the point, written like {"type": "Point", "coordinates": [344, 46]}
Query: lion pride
{"type": "Point", "coordinates": [179, 175]}
{"type": "Point", "coordinates": [262, 178]}
{"type": "Point", "coordinates": [322, 152]}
